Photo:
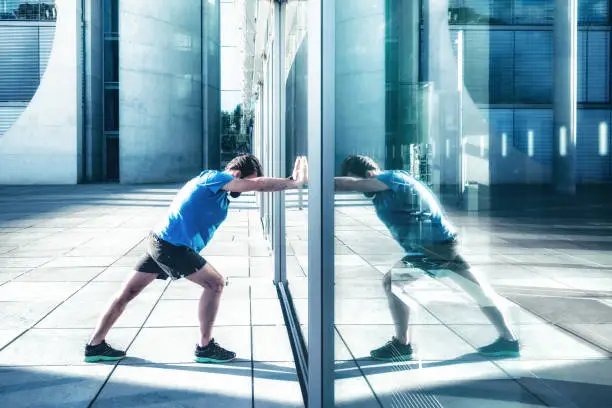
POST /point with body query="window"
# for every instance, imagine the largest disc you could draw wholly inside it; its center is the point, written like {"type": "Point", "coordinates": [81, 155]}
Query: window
{"type": "Point", "coordinates": [19, 63]}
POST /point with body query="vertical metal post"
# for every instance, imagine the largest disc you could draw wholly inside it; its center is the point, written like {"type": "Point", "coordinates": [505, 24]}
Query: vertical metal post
{"type": "Point", "coordinates": [321, 142]}
{"type": "Point", "coordinates": [278, 113]}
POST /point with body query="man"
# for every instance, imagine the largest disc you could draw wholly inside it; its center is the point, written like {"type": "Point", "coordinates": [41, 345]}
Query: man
{"type": "Point", "coordinates": [416, 221]}
{"type": "Point", "coordinates": [174, 245]}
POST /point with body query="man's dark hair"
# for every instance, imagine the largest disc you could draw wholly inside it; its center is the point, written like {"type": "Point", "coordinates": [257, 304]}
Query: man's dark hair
{"type": "Point", "coordinates": [358, 165]}
{"type": "Point", "coordinates": [247, 164]}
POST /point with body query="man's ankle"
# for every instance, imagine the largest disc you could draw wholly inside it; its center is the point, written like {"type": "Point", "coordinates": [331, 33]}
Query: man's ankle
{"type": "Point", "coordinates": [95, 342]}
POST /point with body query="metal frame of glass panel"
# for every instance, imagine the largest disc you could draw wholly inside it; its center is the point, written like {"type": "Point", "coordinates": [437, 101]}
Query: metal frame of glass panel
{"type": "Point", "coordinates": [321, 119]}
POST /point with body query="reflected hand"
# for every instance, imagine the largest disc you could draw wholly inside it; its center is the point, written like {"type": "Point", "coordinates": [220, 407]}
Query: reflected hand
{"type": "Point", "coordinates": [300, 171]}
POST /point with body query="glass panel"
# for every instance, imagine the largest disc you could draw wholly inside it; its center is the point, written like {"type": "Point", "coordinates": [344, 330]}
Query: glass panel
{"type": "Point", "coordinates": [531, 12]}
{"type": "Point", "coordinates": [111, 16]}
{"type": "Point", "coordinates": [294, 75]}
{"type": "Point", "coordinates": [111, 110]}
{"type": "Point", "coordinates": [479, 12]}
{"type": "Point", "coordinates": [445, 203]}
{"type": "Point", "coordinates": [593, 11]}
{"type": "Point", "coordinates": [19, 63]}
{"type": "Point", "coordinates": [111, 60]}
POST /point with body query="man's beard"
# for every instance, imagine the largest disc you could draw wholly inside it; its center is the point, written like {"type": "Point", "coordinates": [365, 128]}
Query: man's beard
{"type": "Point", "coordinates": [234, 194]}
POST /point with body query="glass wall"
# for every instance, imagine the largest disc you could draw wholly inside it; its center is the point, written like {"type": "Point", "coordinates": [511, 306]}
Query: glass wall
{"type": "Point", "coordinates": [457, 263]}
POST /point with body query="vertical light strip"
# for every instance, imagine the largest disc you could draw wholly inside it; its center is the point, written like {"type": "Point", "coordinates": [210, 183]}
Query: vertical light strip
{"type": "Point", "coordinates": [530, 143]}
{"type": "Point", "coordinates": [603, 139]}
{"type": "Point", "coordinates": [563, 141]}
{"type": "Point", "coordinates": [447, 148]}
{"type": "Point", "coordinates": [482, 146]}
{"type": "Point", "coordinates": [504, 144]}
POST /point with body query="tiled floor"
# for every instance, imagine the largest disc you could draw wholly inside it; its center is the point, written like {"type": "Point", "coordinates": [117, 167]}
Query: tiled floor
{"type": "Point", "coordinates": [65, 251]}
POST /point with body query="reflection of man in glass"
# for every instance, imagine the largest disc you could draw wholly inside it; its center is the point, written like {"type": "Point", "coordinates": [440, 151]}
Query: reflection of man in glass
{"type": "Point", "coordinates": [416, 221]}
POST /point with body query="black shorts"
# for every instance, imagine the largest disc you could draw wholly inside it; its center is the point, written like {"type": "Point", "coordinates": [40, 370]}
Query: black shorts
{"type": "Point", "coordinates": [169, 261]}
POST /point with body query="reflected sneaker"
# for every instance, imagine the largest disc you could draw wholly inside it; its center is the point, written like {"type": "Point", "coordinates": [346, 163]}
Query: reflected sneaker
{"type": "Point", "coordinates": [213, 353]}
{"type": "Point", "coordinates": [102, 352]}
{"type": "Point", "coordinates": [501, 348]}
{"type": "Point", "coordinates": [393, 351]}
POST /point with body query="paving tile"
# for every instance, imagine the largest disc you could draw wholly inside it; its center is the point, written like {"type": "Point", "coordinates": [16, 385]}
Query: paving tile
{"type": "Point", "coordinates": [271, 343]}
{"type": "Point", "coordinates": [60, 275]}
{"type": "Point", "coordinates": [8, 274]}
{"type": "Point", "coordinates": [184, 385]}
{"type": "Point", "coordinates": [78, 314]}
{"type": "Point", "coordinates": [565, 383]}
{"type": "Point", "coordinates": [561, 309]}
{"type": "Point", "coordinates": [23, 315]}
{"type": "Point", "coordinates": [81, 261]}
{"type": "Point", "coordinates": [238, 289]}
{"type": "Point", "coordinates": [267, 312]}
{"type": "Point", "coordinates": [227, 265]}
{"type": "Point", "coordinates": [538, 342]}
{"type": "Point", "coordinates": [38, 291]}
{"type": "Point", "coordinates": [185, 313]}
{"type": "Point", "coordinates": [452, 384]}
{"type": "Point", "coordinates": [263, 289]}
{"type": "Point", "coordinates": [115, 274]}
{"type": "Point", "coordinates": [350, 387]}
{"type": "Point", "coordinates": [373, 311]}
{"type": "Point", "coordinates": [457, 312]}
{"type": "Point", "coordinates": [599, 334]}
{"type": "Point", "coordinates": [65, 386]}
{"type": "Point", "coordinates": [588, 283]}
{"type": "Point", "coordinates": [276, 385]}
{"type": "Point", "coordinates": [14, 262]}
{"type": "Point", "coordinates": [106, 290]}
{"type": "Point", "coordinates": [57, 346]}
{"type": "Point", "coordinates": [7, 335]}
{"type": "Point", "coordinates": [177, 344]}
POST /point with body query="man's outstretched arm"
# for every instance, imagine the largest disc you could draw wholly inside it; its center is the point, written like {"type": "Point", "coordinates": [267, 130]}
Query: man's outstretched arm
{"type": "Point", "coordinates": [370, 185]}
{"type": "Point", "coordinates": [262, 184]}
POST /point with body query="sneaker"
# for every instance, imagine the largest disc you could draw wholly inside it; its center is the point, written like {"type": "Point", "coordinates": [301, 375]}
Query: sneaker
{"type": "Point", "coordinates": [501, 348]}
{"type": "Point", "coordinates": [393, 351]}
{"type": "Point", "coordinates": [213, 353]}
{"type": "Point", "coordinates": [102, 352]}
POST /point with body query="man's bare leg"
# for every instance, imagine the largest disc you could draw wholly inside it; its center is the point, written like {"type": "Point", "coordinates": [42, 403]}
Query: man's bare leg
{"type": "Point", "coordinates": [208, 351]}
{"type": "Point", "coordinates": [212, 283]}
{"type": "Point", "coordinates": [131, 288]}
{"type": "Point", "coordinates": [400, 311]}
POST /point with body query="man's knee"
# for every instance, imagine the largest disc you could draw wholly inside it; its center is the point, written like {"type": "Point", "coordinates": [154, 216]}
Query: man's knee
{"type": "Point", "coordinates": [127, 295]}
{"type": "Point", "coordinates": [387, 281]}
{"type": "Point", "coordinates": [216, 284]}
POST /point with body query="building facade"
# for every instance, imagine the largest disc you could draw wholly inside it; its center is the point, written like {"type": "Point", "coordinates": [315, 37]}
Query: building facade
{"type": "Point", "coordinates": [108, 90]}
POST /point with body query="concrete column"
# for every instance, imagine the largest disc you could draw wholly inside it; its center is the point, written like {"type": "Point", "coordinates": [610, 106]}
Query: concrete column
{"type": "Point", "coordinates": [211, 84]}
{"type": "Point", "coordinates": [401, 77]}
{"type": "Point", "coordinates": [565, 95]}
{"type": "Point", "coordinates": [160, 72]}
{"type": "Point", "coordinates": [94, 93]}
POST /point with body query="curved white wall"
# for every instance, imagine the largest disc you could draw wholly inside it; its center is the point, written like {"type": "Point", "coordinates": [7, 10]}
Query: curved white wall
{"type": "Point", "coordinates": [41, 147]}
